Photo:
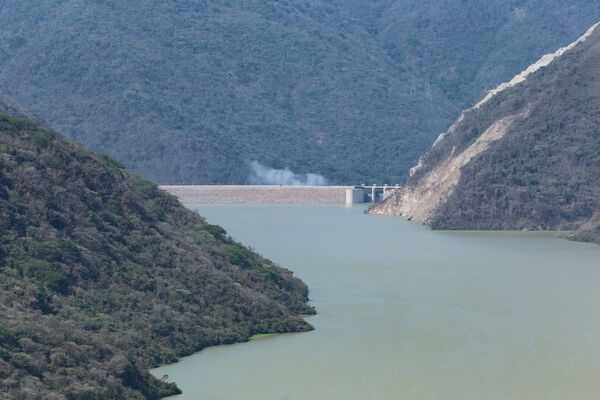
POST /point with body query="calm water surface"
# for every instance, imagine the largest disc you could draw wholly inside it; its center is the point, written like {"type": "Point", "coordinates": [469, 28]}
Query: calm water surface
{"type": "Point", "coordinates": [406, 313]}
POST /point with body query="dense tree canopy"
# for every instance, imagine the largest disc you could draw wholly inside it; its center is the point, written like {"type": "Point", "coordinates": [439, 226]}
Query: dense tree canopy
{"type": "Point", "coordinates": [103, 275]}
{"type": "Point", "coordinates": [192, 91]}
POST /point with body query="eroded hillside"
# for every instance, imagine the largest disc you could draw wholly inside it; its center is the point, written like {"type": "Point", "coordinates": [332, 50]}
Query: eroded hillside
{"type": "Point", "coordinates": [527, 158]}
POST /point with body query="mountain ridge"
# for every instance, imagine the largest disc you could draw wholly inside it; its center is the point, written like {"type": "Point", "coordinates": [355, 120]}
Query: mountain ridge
{"type": "Point", "coordinates": [540, 170]}
{"type": "Point", "coordinates": [194, 91]}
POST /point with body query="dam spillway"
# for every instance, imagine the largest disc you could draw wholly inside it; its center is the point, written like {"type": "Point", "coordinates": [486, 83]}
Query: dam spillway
{"type": "Point", "coordinates": [276, 194]}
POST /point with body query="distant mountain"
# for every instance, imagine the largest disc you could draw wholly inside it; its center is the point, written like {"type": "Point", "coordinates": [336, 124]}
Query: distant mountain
{"type": "Point", "coordinates": [194, 91]}
{"type": "Point", "coordinates": [464, 47]}
{"type": "Point", "coordinates": [103, 275]}
{"type": "Point", "coordinates": [526, 157]}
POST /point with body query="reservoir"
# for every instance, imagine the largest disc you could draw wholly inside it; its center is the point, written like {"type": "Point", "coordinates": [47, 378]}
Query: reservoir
{"type": "Point", "coordinates": [409, 313]}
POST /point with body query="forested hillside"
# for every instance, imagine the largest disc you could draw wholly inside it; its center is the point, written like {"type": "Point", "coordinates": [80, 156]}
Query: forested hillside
{"type": "Point", "coordinates": [529, 158]}
{"type": "Point", "coordinates": [103, 275]}
{"type": "Point", "coordinates": [190, 91]}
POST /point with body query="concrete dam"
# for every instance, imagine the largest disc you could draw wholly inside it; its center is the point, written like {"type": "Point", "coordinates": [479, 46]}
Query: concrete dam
{"type": "Point", "coordinates": [280, 194]}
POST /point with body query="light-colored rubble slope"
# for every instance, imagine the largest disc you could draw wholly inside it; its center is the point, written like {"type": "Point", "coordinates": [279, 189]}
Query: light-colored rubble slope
{"type": "Point", "coordinates": [420, 201]}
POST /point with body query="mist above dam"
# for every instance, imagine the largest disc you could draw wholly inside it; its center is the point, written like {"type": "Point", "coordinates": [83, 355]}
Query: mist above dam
{"type": "Point", "coordinates": [263, 175]}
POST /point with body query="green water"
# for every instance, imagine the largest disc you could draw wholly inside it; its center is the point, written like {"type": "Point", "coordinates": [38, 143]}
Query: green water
{"type": "Point", "coordinates": [407, 313]}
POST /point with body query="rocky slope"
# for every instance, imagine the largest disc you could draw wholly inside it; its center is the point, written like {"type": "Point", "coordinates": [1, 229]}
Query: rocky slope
{"type": "Point", "coordinates": [103, 275]}
{"type": "Point", "coordinates": [589, 231]}
{"type": "Point", "coordinates": [526, 157]}
{"type": "Point", "coordinates": [191, 92]}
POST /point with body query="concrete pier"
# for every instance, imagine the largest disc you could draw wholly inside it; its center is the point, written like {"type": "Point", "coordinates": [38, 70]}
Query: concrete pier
{"type": "Point", "coordinates": [355, 195]}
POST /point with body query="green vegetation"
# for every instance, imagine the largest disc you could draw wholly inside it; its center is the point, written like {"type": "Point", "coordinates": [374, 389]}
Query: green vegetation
{"type": "Point", "coordinates": [545, 172]}
{"type": "Point", "coordinates": [216, 231]}
{"type": "Point", "coordinates": [103, 275]}
{"type": "Point", "coordinates": [192, 91]}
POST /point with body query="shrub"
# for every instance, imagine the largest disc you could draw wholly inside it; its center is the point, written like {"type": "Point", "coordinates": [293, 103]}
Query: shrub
{"type": "Point", "coordinates": [42, 137]}
{"type": "Point", "coordinates": [46, 274]}
{"type": "Point", "coordinates": [112, 163]}
{"type": "Point", "coordinates": [34, 268]}
{"type": "Point", "coordinates": [217, 231]}
{"type": "Point", "coordinates": [238, 255]}
{"type": "Point", "coordinates": [113, 206]}
{"type": "Point", "coordinates": [56, 282]}
{"type": "Point", "coordinates": [5, 335]}
{"type": "Point", "coordinates": [160, 214]}
{"type": "Point", "coordinates": [162, 329]}
{"type": "Point", "coordinates": [144, 186]}
{"type": "Point", "coordinates": [56, 250]}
